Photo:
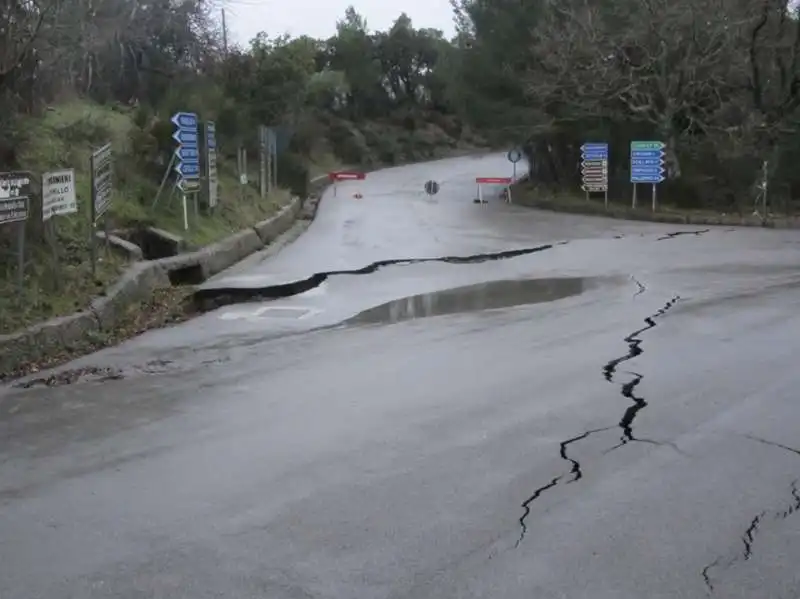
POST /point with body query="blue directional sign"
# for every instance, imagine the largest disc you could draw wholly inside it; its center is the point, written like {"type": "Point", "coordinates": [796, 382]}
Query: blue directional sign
{"type": "Point", "coordinates": [647, 162]}
{"type": "Point", "coordinates": [652, 154]}
{"type": "Point", "coordinates": [187, 154]}
{"type": "Point", "coordinates": [595, 147]}
{"type": "Point", "coordinates": [188, 151]}
{"type": "Point", "coordinates": [185, 120]}
{"type": "Point", "coordinates": [188, 170]}
{"type": "Point", "coordinates": [594, 167]}
{"type": "Point", "coordinates": [185, 138]}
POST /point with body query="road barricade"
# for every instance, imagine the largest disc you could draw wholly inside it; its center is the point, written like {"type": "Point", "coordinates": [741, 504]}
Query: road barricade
{"type": "Point", "coordinates": [506, 181]}
{"type": "Point", "coordinates": [336, 176]}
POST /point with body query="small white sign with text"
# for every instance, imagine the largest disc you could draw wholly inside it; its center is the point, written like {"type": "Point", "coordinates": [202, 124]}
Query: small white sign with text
{"type": "Point", "coordinates": [58, 194]}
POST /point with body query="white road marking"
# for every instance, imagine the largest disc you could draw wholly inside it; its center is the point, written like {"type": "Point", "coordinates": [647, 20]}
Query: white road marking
{"type": "Point", "coordinates": [271, 312]}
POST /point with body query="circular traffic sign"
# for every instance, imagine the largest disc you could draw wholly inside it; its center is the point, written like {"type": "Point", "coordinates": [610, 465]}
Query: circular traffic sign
{"type": "Point", "coordinates": [431, 188]}
{"type": "Point", "coordinates": [515, 155]}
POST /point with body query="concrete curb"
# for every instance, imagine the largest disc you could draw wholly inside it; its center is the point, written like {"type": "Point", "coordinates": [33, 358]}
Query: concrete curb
{"type": "Point", "coordinates": [125, 248]}
{"type": "Point", "coordinates": [66, 334]}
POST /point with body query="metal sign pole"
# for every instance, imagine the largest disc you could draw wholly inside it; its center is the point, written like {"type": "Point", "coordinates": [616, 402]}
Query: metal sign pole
{"type": "Point", "coordinates": [274, 139]}
{"type": "Point", "coordinates": [244, 170]}
{"type": "Point", "coordinates": [514, 155]}
{"type": "Point", "coordinates": [654, 197]}
{"type": "Point", "coordinates": [263, 158]}
{"type": "Point", "coordinates": [93, 215]}
{"type": "Point", "coordinates": [21, 256]}
{"type": "Point", "coordinates": [170, 166]}
{"type": "Point", "coordinates": [52, 239]}
{"type": "Point", "coordinates": [269, 169]}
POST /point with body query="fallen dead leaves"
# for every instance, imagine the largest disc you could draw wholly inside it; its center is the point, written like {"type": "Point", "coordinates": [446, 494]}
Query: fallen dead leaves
{"type": "Point", "coordinates": [166, 307]}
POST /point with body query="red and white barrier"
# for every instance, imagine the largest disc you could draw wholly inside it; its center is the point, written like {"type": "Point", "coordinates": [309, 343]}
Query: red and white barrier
{"type": "Point", "coordinates": [346, 176]}
{"type": "Point", "coordinates": [336, 176]}
{"type": "Point", "coordinates": [481, 181]}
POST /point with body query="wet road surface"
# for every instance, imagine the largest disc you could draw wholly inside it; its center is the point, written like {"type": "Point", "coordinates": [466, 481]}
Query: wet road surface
{"type": "Point", "coordinates": [610, 417]}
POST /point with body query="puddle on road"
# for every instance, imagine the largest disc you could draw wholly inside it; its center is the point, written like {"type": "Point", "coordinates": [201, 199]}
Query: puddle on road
{"type": "Point", "coordinates": [473, 298]}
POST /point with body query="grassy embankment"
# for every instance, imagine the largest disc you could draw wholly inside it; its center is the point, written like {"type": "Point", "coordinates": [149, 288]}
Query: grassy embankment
{"type": "Point", "coordinates": [58, 277]}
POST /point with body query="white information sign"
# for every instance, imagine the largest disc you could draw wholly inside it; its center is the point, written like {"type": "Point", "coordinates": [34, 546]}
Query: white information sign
{"type": "Point", "coordinates": [58, 193]}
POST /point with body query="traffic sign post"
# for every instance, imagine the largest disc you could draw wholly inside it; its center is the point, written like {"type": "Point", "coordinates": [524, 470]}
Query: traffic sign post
{"type": "Point", "coordinates": [514, 156]}
{"type": "Point", "coordinates": [187, 158]}
{"type": "Point", "coordinates": [212, 177]}
{"type": "Point", "coordinates": [647, 166]}
{"type": "Point", "coordinates": [15, 192]}
{"type": "Point", "coordinates": [102, 185]}
{"type": "Point", "coordinates": [594, 169]}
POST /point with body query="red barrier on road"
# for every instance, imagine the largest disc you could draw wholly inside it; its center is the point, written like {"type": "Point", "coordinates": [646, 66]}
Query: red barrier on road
{"type": "Point", "coordinates": [346, 176]}
{"type": "Point", "coordinates": [496, 180]}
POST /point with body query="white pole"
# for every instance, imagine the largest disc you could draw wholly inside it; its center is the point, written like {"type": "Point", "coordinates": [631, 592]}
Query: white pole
{"type": "Point", "coordinates": [480, 193]}
{"type": "Point", "coordinates": [185, 214]}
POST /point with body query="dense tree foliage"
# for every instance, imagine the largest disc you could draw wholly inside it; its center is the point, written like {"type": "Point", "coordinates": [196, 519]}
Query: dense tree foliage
{"type": "Point", "coordinates": [717, 80]}
{"type": "Point", "coordinates": [164, 56]}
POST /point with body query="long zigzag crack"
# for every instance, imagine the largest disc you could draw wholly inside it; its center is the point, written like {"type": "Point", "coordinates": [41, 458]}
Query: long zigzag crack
{"type": "Point", "coordinates": [679, 233]}
{"type": "Point", "coordinates": [575, 470]}
{"type": "Point", "coordinates": [626, 423]}
{"type": "Point", "coordinates": [750, 533]}
{"type": "Point", "coordinates": [216, 297]}
{"type": "Point", "coordinates": [627, 390]}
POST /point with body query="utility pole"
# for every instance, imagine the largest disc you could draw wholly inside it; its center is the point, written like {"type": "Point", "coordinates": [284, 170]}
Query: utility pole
{"type": "Point", "coordinates": [224, 34]}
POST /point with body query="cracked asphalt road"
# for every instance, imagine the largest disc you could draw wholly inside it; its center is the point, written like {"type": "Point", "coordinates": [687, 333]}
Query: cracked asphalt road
{"type": "Point", "coordinates": [636, 439]}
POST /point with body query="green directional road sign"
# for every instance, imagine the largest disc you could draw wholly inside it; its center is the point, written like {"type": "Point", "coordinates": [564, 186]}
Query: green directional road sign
{"type": "Point", "coordinates": [647, 145]}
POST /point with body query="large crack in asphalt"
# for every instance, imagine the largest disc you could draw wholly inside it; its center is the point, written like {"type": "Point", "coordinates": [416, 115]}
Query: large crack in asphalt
{"type": "Point", "coordinates": [755, 524]}
{"type": "Point", "coordinates": [575, 470]}
{"type": "Point", "coordinates": [634, 342]}
{"type": "Point", "coordinates": [637, 403]}
{"type": "Point", "coordinates": [215, 297]}
{"type": "Point", "coordinates": [680, 233]}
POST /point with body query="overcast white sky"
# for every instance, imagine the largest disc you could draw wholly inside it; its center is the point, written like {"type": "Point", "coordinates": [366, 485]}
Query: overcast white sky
{"type": "Point", "coordinates": [317, 18]}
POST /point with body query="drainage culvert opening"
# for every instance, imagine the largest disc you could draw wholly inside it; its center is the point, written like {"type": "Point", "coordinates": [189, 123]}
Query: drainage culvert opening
{"type": "Point", "coordinates": [191, 274]}
{"type": "Point", "coordinates": [472, 298]}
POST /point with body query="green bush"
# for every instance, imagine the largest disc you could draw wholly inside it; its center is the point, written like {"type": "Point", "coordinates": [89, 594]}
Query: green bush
{"type": "Point", "coordinates": [293, 173]}
{"type": "Point", "coordinates": [85, 130]}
